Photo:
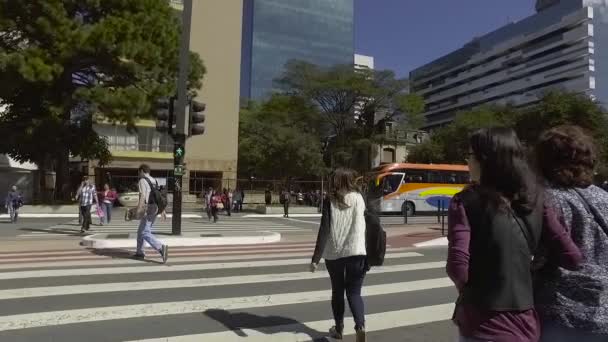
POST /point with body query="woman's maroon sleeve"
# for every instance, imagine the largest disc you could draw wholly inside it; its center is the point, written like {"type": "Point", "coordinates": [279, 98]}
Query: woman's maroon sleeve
{"type": "Point", "coordinates": [459, 237]}
{"type": "Point", "coordinates": [562, 250]}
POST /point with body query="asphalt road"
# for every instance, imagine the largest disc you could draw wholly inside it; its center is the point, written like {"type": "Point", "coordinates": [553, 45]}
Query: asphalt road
{"type": "Point", "coordinates": [221, 293]}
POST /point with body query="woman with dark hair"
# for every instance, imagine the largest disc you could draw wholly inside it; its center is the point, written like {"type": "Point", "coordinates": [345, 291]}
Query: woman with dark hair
{"type": "Point", "coordinates": [341, 242]}
{"type": "Point", "coordinates": [494, 229]}
{"type": "Point", "coordinates": [573, 305]}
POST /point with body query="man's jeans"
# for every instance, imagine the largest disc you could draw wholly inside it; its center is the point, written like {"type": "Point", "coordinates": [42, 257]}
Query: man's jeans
{"type": "Point", "coordinates": [144, 232]}
{"type": "Point", "coordinates": [13, 213]}
{"type": "Point", "coordinates": [85, 210]}
{"type": "Point", "coordinates": [107, 210]}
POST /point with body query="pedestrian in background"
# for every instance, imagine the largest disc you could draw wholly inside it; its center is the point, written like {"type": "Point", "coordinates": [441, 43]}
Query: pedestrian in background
{"type": "Point", "coordinates": [573, 305]}
{"type": "Point", "coordinates": [494, 230]}
{"type": "Point", "coordinates": [87, 196]}
{"type": "Point", "coordinates": [238, 200]}
{"type": "Point", "coordinates": [109, 196]}
{"type": "Point", "coordinates": [216, 205]}
{"type": "Point", "coordinates": [13, 202]}
{"type": "Point", "coordinates": [208, 196]}
{"type": "Point", "coordinates": [268, 196]}
{"type": "Point", "coordinates": [341, 242]}
{"type": "Point", "coordinates": [285, 199]}
{"type": "Point", "coordinates": [147, 211]}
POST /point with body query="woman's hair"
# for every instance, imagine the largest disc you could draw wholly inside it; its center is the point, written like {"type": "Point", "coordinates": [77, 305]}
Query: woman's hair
{"type": "Point", "coordinates": [342, 183]}
{"type": "Point", "coordinates": [505, 172]}
{"type": "Point", "coordinates": [566, 156]}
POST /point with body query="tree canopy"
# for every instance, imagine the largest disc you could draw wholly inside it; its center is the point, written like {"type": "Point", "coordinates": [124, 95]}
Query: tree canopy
{"type": "Point", "coordinates": [449, 144]}
{"type": "Point", "coordinates": [61, 61]}
{"type": "Point", "coordinates": [280, 139]}
{"type": "Point", "coordinates": [354, 106]}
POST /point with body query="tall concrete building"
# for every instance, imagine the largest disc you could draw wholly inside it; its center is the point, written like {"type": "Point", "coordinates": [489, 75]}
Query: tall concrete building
{"type": "Point", "coordinates": [277, 31]}
{"type": "Point", "coordinates": [563, 45]}
{"type": "Point", "coordinates": [216, 37]}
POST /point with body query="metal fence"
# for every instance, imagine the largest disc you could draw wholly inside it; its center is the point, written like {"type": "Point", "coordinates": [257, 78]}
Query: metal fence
{"type": "Point", "coordinates": [256, 191]}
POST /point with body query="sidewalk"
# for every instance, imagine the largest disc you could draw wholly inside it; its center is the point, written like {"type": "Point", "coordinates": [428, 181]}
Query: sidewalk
{"type": "Point", "coordinates": [101, 241]}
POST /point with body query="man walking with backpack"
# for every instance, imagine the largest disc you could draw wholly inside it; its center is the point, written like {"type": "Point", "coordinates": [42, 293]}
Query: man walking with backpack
{"type": "Point", "coordinates": [151, 203]}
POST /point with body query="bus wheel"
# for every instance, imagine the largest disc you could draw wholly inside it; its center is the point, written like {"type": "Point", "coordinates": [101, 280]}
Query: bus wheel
{"type": "Point", "coordinates": [409, 208]}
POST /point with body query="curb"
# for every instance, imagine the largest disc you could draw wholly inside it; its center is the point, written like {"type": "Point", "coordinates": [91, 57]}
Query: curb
{"type": "Point", "coordinates": [102, 241]}
{"type": "Point", "coordinates": [5, 216]}
{"type": "Point", "coordinates": [279, 215]}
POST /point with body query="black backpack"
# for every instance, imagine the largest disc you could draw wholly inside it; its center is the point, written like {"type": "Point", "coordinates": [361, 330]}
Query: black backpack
{"type": "Point", "coordinates": [156, 196]}
{"type": "Point", "coordinates": [375, 240]}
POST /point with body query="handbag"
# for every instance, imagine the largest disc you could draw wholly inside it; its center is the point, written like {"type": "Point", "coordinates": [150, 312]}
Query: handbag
{"type": "Point", "coordinates": [100, 212]}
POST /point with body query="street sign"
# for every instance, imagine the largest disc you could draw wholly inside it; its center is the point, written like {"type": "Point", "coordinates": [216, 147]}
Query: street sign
{"type": "Point", "coordinates": [178, 170]}
{"type": "Point", "coordinates": [179, 152]}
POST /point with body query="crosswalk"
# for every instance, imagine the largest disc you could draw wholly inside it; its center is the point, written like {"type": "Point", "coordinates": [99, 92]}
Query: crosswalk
{"type": "Point", "coordinates": [219, 293]}
{"type": "Point", "coordinates": [119, 226]}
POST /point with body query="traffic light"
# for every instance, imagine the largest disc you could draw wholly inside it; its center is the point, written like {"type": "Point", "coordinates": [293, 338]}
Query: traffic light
{"type": "Point", "coordinates": [164, 115]}
{"type": "Point", "coordinates": [196, 118]}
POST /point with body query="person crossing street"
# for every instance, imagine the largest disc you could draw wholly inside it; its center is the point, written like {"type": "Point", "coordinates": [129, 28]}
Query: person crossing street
{"type": "Point", "coordinates": [147, 210]}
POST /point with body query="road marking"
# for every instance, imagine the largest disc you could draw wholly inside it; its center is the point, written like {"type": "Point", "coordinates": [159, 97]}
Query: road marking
{"type": "Point", "coordinates": [54, 318]}
{"type": "Point", "coordinates": [93, 259]}
{"type": "Point", "coordinates": [174, 250]}
{"type": "Point", "coordinates": [174, 268]}
{"type": "Point", "coordinates": [182, 255]}
{"type": "Point", "coordinates": [303, 221]}
{"type": "Point", "coordinates": [196, 282]}
{"type": "Point", "coordinates": [374, 322]}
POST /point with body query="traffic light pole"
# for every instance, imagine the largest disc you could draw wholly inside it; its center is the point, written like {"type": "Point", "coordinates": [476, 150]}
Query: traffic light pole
{"type": "Point", "coordinates": [181, 122]}
{"type": "Point", "coordinates": [179, 151]}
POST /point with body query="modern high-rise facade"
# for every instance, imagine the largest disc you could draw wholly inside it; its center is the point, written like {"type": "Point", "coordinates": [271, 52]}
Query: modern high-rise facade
{"type": "Point", "coordinates": [277, 31]}
{"type": "Point", "coordinates": [564, 45]}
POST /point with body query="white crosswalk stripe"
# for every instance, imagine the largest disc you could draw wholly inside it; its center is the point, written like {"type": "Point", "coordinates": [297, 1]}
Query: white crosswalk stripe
{"type": "Point", "coordinates": [120, 226]}
{"type": "Point", "coordinates": [219, 293]}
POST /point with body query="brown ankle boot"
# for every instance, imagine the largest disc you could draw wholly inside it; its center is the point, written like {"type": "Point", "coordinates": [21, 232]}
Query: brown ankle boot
{"type": "Point", "coordinates": [361, 337]}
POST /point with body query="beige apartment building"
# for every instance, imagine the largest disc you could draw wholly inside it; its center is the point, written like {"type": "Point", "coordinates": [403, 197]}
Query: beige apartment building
{"type": "Point", "coordinates": [216, 37]}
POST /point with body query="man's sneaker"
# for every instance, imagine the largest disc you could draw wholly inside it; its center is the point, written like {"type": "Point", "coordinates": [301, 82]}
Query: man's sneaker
{"type": "Point", "coordinates": [335, 333]}
{"type": "Point", "coordinates": [139, 256]}
{"type": "Point", "coordinates": [361, 335]}
{"type": "Point", "coordinates": [164, 252]}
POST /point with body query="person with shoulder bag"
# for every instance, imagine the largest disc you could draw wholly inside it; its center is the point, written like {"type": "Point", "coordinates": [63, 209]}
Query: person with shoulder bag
{"type": "Point", "coordinates": [151, 203]}
{"type": "Point", "coordinates": [341, 242]}
{"type": "Point", "coordinates": [494, 230]}
{"type": "Point", "coordinates": [573, 304]}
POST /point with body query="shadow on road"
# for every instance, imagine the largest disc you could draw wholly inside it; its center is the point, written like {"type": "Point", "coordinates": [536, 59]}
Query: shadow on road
{"type": "Point", "coordinates": [65, 231]}
{"type": "Point", "coordinates": [238, 321]}
{"type": "Point", "coordinates": [115, 253]}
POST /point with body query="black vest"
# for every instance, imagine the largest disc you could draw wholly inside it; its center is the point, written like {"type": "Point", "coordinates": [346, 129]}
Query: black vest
{"type": "Point", "coordinates": [500, 277]}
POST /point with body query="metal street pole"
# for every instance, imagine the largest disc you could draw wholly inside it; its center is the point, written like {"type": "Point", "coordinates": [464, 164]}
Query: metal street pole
{"type": "Point", "coordinates": [181, 122]}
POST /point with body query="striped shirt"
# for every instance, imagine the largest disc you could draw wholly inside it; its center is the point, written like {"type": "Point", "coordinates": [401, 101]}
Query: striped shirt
{"type": "Point", "coordinates": [87, 195]}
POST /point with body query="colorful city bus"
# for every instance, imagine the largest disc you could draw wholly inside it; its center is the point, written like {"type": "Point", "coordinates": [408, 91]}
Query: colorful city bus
{"type": "Point", "coordinates": [416, 188]}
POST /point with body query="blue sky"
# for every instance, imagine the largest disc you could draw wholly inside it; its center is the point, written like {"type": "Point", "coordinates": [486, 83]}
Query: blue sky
{"type": "Point", "coordinates": [405, 34]}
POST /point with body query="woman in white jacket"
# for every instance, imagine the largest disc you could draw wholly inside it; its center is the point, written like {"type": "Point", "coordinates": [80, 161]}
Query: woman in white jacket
{"type": "Point", "coordinates": [341, 242]}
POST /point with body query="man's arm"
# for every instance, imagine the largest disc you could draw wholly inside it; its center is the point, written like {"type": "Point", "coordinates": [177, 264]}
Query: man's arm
{"type": "Point", "coordinates": [142, 200]}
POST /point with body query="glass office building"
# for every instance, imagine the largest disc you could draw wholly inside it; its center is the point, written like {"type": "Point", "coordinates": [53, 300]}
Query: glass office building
{"type": "Point", "coordinates": [564, 45]}
{"type": "Point", "coordinates": [277, 31]}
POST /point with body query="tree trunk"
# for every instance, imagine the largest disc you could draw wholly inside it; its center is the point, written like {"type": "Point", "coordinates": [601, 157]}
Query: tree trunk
{"type": "Point", "coordinates": [62, 182]}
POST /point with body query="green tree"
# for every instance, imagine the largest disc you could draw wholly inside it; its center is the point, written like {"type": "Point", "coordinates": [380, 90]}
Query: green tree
{"type": "Point", "coordinates": [554, 108]}
{"type": "Point", "coordinates": [62, 61]}
{"type": "Point", "coordinates": [280, 139]}
{"type": "Point", "coordinates": [353, 105]}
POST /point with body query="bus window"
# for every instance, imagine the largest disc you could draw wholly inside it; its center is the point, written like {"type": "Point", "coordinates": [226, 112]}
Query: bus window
{"type": "Point", "coordinates": [436, 177]}
{"type": "Point", "coordinates": [463, 178]}
{"type": "Point", "coordinates": [391, 183]}
{"type": "Point", "coordinates": [416, 176]}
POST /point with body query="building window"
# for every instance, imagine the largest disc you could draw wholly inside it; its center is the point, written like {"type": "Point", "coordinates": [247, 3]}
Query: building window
{"type": "Point", "coordinates": [388, 155]}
